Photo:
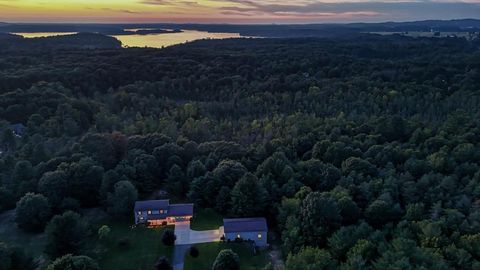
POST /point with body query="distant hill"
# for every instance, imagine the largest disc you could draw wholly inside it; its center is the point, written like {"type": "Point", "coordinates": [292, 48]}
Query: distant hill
{"type": "Point", "coordinates": [75, 41]}
{"type": "Point", "coordinates": [271, 30]}
{"type": "Point", "coordinates": [6, 38]}
{"type": "Point", "coordinates": [435, 25]}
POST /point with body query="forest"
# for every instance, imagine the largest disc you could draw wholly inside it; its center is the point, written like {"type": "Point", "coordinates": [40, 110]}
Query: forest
{"type": "Point", "coordinates": [363, 153]}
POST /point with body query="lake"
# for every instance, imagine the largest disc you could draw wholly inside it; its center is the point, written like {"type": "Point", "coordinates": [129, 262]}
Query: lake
{"type": "Point", "coordinates": [43, 34]}
{"type": "Point", "coordinates": [151, 40]}
{"type": "Point", "coordinates": [169, 39]}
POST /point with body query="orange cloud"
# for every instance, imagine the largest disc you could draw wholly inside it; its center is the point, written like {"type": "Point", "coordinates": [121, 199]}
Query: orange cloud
{"type": "Point", "coordinates": [234, 11]}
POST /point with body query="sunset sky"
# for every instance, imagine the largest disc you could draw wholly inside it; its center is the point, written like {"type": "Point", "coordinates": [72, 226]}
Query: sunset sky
{"type": "Point", "coordinates": [234, 11]}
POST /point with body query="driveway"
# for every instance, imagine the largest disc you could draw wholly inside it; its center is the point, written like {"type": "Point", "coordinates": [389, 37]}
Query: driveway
{"type": "Point", "coordinates": [187, 237]}
{"type": "Point", "coordinates": [197, 237]}
{"type": "Point", "coordinates": [182, 231]}
{"type": "Point", "coordinates": [179, 256]}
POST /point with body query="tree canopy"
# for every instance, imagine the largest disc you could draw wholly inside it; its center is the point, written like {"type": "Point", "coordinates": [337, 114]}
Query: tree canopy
{"type": "Point", "coordinates": [364, 150]}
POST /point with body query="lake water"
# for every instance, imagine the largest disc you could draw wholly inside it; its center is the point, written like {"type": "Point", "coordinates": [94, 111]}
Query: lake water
{"type": "Point", "coordinates": [43, 34]}
{"type": "Point", "coordinates": [152, 40]}
{"type": "Point", "coordinates": [169, 39]}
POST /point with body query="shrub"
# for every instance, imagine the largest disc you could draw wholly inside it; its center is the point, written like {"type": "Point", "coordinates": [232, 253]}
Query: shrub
{"type": "Point", "coordinates": [168, 238]}
{"type": "Point", "coordinates": [163, 264]}
{"type": "Point", "coordinates": [74, 263]}
{"type": "Point", "coordinates": [194, 252]}
{"type": "Point", "coordinates": [226, 260]}
{"type": "Point", "coordinates": [124, 243]}
{"type": "Point", "coordinates": [104, 233]}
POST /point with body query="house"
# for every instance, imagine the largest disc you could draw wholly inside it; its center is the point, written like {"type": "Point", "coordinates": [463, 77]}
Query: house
{"type": "Point", "coordinates": [18, 129]}
{"type": "Point", "coordinates": [254, 229]}
{"type": "Point", "coordinates": [157, 212]}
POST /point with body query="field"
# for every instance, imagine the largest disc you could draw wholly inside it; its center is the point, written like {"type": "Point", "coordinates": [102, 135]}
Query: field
{"type": "Point", "coordinates": [144, 249]}
{"type": "Point", "coordinates": [209, 251]}
{"type": "Point", "coordinates": [206, 219]}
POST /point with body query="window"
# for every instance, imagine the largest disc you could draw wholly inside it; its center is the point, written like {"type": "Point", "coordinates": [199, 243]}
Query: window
{"type": "Point", "coordinates": [238, 235]}
{"type": "Point", "coordinates": [139, 212]}
{"type": "Point", "coordinates": [259, 236]}
{"type": "Point", "coordinates": [149, 212]}
{"type": "Point", "coordinates": [161, 211]}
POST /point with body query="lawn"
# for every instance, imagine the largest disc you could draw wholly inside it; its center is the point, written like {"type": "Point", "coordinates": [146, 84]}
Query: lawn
{"type": "Point", "coordinates": [206, 219]}
{"type": "Point", "coordinates": [144, 249]}
{"type": "Point", "coordinates": [209, 251]}
{"type": "Point", "coordinates": [9, 233]}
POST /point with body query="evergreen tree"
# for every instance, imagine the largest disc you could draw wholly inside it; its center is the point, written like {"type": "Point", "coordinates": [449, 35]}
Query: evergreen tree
{"type": "Point", "coordinates": [248, 197]}
{"type": "Point", "coordinates": [66, 234]}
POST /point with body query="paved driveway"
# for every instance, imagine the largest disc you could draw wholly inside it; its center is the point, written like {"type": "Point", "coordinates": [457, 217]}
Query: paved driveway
{"type": "Point", "coordinates": [179, 256]}
{"type": "Point", "coordinates": [197, 237]}
{"type": "Point", "coordinates": [182, 231]}
{"type": "Point", "coordinates": [187, 237]}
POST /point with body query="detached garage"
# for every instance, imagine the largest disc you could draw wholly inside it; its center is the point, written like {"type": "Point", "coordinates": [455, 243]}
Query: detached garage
{"type": "Point", "coordinates": [254, 229]}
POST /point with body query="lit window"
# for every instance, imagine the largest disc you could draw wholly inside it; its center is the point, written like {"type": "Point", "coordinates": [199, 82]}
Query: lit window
{"type": "Point", "coordinates": [238, 235]}
{"type": "Point", "coordinates": [149, 212]}
{"type": "Point", "coordinates": [139, 212]}
{"type": "Point", "coordinates": [161, 211]}
{"type": "Point", "coordinates": [259, 236]}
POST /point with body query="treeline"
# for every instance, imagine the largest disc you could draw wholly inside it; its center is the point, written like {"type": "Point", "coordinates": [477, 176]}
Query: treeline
{"type": "Point", "coordinates": [11, 42]}
{"type": "Point", "coordinates": [362, 154]}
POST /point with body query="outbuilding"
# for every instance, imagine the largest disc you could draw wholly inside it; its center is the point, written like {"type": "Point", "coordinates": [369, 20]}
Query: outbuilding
{"type": "Point", "coordinates": [254, 229]}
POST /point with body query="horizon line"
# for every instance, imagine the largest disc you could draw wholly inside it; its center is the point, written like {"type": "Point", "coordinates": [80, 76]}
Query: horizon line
{"type": "Point", "coordinates": [233, 23]}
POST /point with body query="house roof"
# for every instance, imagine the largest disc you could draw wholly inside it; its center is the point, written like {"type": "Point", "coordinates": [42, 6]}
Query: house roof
{"type": "Point", "coordinates": [151, 205]}
{"type": "Point", "coordinates": [181, 209]}
{"type": "Point", "coordinates": [173, 209]}
{"type": "Point", "coordinates": [245, 225]}
{"type": "Point", "coordinates": [18, 128]}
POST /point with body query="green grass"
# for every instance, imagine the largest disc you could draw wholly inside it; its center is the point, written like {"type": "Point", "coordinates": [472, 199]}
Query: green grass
{"type": "Point", "coordinates": [145, 248]}
{"type": "Point", "coordinates": [209, 251]}
{"type": "Point", "coordinates": [33, 244]}
{"type": "Point", "coordinates": [206, 219]}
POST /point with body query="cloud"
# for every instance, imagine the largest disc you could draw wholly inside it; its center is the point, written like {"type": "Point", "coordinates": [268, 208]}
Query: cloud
{"type": "Point", "coordinates": [157, 2]}
{"type": "Point", "coordinates": [126, 11]}
{"type": "Point", "coordinates": [388, 9]}
{"type": "Point", "coordinates": [251, 11]}
{"type": "Point", "coordinates": [121, 11]}
{"type": "Point", "coordinates": [170, 3]}
{"type": "Point", "coordinates": [235, 13]}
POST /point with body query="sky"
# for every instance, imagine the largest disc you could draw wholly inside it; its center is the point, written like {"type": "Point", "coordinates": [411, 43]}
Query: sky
{"type": "Point", "coordinates": [235, 11]}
